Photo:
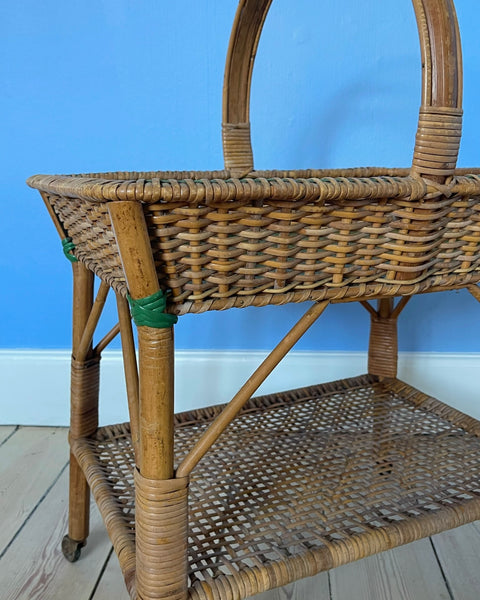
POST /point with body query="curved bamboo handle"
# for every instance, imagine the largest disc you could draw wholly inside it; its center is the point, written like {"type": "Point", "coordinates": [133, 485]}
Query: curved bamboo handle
{"type": "Point", "coordinates": [439, 127]}
{"type": "Point", "coordinates": [246, 31]}
{"type": "Point", "coordinates": [440, 122]}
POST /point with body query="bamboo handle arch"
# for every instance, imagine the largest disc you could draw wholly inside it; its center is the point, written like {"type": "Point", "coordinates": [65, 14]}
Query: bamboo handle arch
{"type": "Point", "coordinates": [440, 121]}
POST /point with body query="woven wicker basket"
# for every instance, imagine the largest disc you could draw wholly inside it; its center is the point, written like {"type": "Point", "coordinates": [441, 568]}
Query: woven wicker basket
{"type": "Point", "coordinates": [188, 242]}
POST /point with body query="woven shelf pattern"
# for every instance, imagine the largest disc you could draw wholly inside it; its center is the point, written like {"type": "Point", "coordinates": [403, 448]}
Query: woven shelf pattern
{"type": "Point", "coordinates": [303, 481]}
{"type": "Point", "coordinates": [280, 236]}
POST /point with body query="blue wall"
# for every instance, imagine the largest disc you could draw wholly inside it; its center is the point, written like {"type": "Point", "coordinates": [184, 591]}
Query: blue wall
{"type": "Point", "coordinates": [121, 85]}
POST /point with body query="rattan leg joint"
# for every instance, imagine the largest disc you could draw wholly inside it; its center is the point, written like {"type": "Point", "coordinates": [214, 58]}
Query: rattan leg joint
{"type": "Point", "coordinates": [161, 538]}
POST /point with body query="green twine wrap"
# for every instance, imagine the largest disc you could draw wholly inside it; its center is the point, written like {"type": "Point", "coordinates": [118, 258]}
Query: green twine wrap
{"type": "Point", "coordinates": [150, 311]}
{"type": "Point", "coordinates": [68, 248]}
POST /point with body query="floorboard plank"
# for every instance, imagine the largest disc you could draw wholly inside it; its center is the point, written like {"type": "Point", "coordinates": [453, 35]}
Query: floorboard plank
{"type": "Point", "coordinates": [458, 551]}
{"type": "Point", "coordinates": [409, 572]}
{"type": "Point", "coordinates": [111, 584]}
{"type": "Point", "coordinates": [33, 568]}
{"type": "Point", "coordinates": [30, 461]}
{"type": "Point", "coordinates": [5, 431]}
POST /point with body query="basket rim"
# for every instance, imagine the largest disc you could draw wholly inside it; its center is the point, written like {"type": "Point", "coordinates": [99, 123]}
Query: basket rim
{"type": "Point", "coordinates": [218, 186]}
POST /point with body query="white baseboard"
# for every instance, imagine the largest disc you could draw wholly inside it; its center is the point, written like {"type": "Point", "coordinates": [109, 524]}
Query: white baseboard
{"type": "Point", "coordinates": [35, 384]}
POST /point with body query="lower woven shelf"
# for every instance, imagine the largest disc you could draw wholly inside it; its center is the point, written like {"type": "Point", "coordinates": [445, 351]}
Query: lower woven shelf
{"type": "Point", "coordinates": [302, 481]}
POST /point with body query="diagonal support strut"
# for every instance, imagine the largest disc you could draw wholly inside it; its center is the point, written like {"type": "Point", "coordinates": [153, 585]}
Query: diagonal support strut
{"type": "Point", "coordinates": [231, 410]}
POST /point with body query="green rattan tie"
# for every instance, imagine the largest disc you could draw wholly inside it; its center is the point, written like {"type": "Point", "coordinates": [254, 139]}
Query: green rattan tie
{"type": "Point", "coordinates": [150, 311]}
{"type": "Point", "coordinates": [68, 248]}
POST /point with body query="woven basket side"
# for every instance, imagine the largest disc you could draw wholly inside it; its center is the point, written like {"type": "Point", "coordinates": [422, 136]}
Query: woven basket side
{"type": "Point", "coordinates": [89, 226]}
{"type": "Point", "coordinates": [273, 248]}
{"type": "Point", "coordinates": [300, 240]}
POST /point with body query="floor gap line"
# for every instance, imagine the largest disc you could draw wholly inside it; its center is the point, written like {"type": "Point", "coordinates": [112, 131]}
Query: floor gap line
{"type": "Point", "coordinates": [100, 575]}
{"type": "Point", "coordinates": [447, 584]}
{"type": "Point", "coordinates": [17, 427]}
{"type": "Point", "coordinates": [34, 509]}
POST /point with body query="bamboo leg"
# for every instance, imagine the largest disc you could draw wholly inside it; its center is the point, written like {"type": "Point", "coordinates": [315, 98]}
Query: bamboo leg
{"type": "Point", "coordinates": [83, 412]}
{"type": "Point", "coordinates": [156, 402]}
{"type": "Point", "coordinates": [475, 291]}
{"type": "Point", "coordinates": [383, 346]}
{"type": "Point", "coordinates": [382, 361]}
{"type": "Point", "coordinates": [85, 344]}
{"type": "Point", "coordinates": [131, 372]}
{"type": "Point", "coordinates": [161, 501]}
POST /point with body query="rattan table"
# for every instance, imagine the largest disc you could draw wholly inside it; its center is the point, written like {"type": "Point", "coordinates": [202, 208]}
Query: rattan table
{"type": "Point", "coordinates": [228, 501]}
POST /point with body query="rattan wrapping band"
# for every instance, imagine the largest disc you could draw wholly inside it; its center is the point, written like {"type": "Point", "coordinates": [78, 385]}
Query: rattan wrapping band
{"type": "Point", "coordinates": [437, 141]}
{"type": "Point", "coordinates": [150, 311]}
{"type": "Point", "coordinates": [382, 355]}
{"type": "Point", "coordinates": [85, 381]}
{"type": "Point", "coordinates": [161, 525]}
{"type": "Point", "coordinates": [237, 148]}
{"type": "Point", "coordinates": [68, 248]}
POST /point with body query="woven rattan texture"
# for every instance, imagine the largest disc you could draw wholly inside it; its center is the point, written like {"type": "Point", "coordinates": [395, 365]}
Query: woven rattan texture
{"type": "Point", "coordinates": [304, 481]}
{"type": "Point", "coordinates": [221, 243]}
{"type": "Point", "coordinates": [94, 240]}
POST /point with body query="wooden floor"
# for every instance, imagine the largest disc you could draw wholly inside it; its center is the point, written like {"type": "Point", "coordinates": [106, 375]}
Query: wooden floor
{"type": "Point", "coordinates": [33, 514]}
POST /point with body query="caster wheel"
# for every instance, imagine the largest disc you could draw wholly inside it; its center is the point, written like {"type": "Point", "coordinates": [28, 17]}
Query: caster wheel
{"type": "Point", "coordinates": [71, 549]}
